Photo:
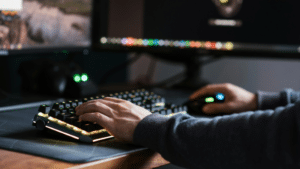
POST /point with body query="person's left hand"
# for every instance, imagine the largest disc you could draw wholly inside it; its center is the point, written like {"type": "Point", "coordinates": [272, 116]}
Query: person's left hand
{"type": "Point", "coordinates": [119, 117]}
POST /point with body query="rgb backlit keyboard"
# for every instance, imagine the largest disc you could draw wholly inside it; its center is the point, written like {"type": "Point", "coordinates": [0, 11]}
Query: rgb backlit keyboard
{"type": "Point", "coordinates": [61, 117]}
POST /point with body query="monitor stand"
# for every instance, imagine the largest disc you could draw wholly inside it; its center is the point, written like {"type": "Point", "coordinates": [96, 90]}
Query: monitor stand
{"type": "Point", "coordinates": [192, 76]}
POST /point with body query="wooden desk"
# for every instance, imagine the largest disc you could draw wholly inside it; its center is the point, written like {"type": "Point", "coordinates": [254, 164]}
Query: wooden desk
{"type": "Point", "coordinates": [143, 159]}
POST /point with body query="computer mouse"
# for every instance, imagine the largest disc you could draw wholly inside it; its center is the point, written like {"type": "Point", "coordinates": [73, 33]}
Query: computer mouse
{"type": "Point", "coordinates": [195, 106]}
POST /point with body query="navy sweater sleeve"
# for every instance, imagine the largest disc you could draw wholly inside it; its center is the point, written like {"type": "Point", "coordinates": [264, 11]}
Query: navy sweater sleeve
{"type": "Point", "coordinates": [271, 100]}
{"type": "Point", "coordinates": [260, 139]}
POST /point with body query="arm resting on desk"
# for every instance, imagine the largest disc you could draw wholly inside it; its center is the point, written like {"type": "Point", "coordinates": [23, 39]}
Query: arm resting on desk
{"type": "Point", "coordinates": [261, 139]}
{"type": "Point", "coordinates": [271, 100]}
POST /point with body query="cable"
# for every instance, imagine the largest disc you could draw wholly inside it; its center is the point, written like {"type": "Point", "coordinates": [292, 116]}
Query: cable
{"type": "Point", "coordinates": [108, 74]}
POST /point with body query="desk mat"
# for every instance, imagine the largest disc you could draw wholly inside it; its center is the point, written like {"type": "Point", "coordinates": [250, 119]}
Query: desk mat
{"type": "Point", "coordinates": [18, 134]}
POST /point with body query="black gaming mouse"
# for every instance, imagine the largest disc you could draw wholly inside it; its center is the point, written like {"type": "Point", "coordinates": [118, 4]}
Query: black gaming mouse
{"type": "Point", "coordinates": [195, 106]}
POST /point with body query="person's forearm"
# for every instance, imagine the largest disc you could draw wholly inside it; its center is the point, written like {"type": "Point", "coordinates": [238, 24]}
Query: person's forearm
{"type": "Point", "coordinates": [261, 139]}
{"type": "Point", "coordinates": [271, 100]}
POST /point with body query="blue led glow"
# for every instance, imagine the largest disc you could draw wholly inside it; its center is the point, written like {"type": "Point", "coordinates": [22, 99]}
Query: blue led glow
{"type": "Point", "coordinates": [155, 42]}
{"type": "Point", "coordinates": [220, 96]}
{"type": "Point", "coordinates": [182, 43]}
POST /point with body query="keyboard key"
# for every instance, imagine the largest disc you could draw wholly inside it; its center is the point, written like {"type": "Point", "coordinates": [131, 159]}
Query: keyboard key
{"type": "Point", "coordinates": [88, 127]}
{"type": "Point", "coordinates": [62, 116]}
{"type": "Point", "coordinates": [78, 102]}
{"type": "Point", "coordinates": [58, 106]}
{"type": "Point", "coordinates": [77, 123]}
{"type": "Point", "coordinates": [54, 112]}
{"type": "Point", "coordinates": [44, 109]}
{"type": "Point", "coordinates": [97, 127]}
{"type": "Point", "coordinates": [71, 119]}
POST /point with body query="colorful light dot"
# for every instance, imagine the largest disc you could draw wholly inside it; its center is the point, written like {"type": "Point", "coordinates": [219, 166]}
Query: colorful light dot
{"type": "Point", "coordinates": [84, 77]}
{"type": "Point", "coordinates": [103, 40]}
{"type": "Point", "coordinates": [130, 41]}
{"type": "Point", "coordinates": [198, 44]}
{"type": "Point", "coordinates": [187, 44]}
{"type": "Point", "coordinates": [161, 42]}
{"type": "Point", "coordinates": [145, 42]}
{"type": "Point", "coordinates": [155, 42]}
{"type": "Point", "coordinates": [77, 78]}
{"type": "Point", "coordinates": [167, 43]}
{"type": "Point", "coordinates": [219, 45]}
{"type": "Point", "coordinates": [193, 44]}
{"type": "Point", "coordinates": [150, 42]}
{"type": "Point", "coordinates": [229, 45]}
{"type": "Point", "coordinates": [182, 43]}
{"type": "Point", "coordinates": [220, 96]}
{"type": "Point", "coordinates": [209, 100]}
{"type": "Point", "coordinates": [176, 43]}
{"type": "Point", "coordinates": [124, 41]}
{"type": "Point", "coordinates": [207, 45]}
{"type": "Point", "coordinates": [213, 45]}
{"type": "Point", "coordinates": [139, 42]}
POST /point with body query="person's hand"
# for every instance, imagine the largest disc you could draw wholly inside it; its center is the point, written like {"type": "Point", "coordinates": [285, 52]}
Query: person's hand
{"type": "Point", "coordinates": [119, 117]}
{"type": "Point", "coordinates": [236, 99]}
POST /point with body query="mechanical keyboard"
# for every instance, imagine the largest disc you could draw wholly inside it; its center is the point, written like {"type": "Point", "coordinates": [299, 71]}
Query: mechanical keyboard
{"type": "Point", "coordinates": [61, 117]}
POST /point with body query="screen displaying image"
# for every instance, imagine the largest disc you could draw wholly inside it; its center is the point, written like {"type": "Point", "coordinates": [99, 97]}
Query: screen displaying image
{"type": "Point", "coordinates": [32, 24]}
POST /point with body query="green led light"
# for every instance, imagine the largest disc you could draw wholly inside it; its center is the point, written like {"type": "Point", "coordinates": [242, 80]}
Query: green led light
{"type": "Point", "coordinates": [77, 78]}
{"type": "Point", "coordinates": [150, 42]}
{"type": "Point", "coordinates": [84, 77]}
{"type": "Point", "coordinates": [209, 100]}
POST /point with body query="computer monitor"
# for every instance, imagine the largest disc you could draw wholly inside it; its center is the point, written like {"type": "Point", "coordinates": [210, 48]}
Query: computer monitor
{"type": "Point", "coordinates": [44, 26]}
{"type": "Point", "coordinates": [190, 27]}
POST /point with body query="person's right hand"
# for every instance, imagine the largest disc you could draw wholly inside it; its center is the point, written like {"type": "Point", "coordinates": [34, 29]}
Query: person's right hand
{"type": "Point", "coordinates": [236, 99]}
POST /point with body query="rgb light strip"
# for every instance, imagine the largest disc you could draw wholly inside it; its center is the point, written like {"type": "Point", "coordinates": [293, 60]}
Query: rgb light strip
{"type": "Point", "coordinates": [133, 42]}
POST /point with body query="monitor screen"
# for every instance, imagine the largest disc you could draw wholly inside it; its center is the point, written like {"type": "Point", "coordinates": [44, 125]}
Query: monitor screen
{"type": "Point", "coordinates": [34, 26]}
{"type": "Point", "coordinates": [198, 26]}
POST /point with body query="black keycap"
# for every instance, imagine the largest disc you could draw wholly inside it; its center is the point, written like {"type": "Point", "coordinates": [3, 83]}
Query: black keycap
{"type": "Point", "coordinates": [63, 111]}
{"type": "Point", "coordinates": [88, 127]}
{"type": "Point", "coordinates": [77, 123]}
{"type": "Point", "coordinates": [169, 111]}
{"type": "Point", "coordinates": [85, 100]}
{"type": "Point", "coordinates": [62, 116]}
{"type": "Point", "coordinates": [71, 112]}
{"type": "Point", "coordinates": [74, 104]}
{"type": "Point", "coordinates": [79, 102]}
{"type": "Point", "coordinates": [124, 96]}
{"type": "Point", "coordinates": [163, 112]}
{"type": "Point", "coordinates": [136, 99]}
{"type": "Point", "coordinates": [44, 109]}
{"type": "Point", "coordinates": [175, 110]}
{"type": "Point", "coordinates": [67, 105]}
{"type": "Point", "coordinates": [71, 119]}
{"type": "Point", "coordinates": [58, 106]}
{"type": "Point", "coordinates": [97, 127]}
{"type": "Point", "coordinates": [54, 112]}
{"type": "Point", "coordinates": [185, 108]}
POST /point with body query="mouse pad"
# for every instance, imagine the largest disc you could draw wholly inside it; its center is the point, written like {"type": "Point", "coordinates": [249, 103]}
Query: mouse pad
{"type": "Point", "coordinates": [18, 134]}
